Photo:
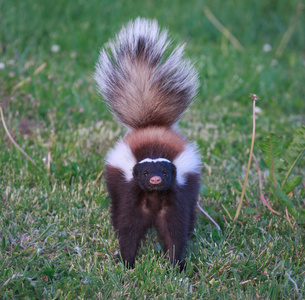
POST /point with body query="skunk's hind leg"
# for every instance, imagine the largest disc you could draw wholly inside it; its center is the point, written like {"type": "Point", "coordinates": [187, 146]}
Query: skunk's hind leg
{"type": "Point", "coordinates": [173, 233]}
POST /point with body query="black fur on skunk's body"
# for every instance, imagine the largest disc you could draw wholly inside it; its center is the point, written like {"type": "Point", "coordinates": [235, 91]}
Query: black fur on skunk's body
{"type": "Point", "coordinates": [153, 172]}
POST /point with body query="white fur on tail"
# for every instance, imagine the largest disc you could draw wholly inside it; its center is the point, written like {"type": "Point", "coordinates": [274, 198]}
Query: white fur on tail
{"type": "Point", "coordinates": [142, 86]}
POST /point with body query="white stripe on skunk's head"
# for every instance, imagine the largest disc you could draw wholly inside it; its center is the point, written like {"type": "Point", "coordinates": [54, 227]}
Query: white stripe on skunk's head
{"type": "Point", "coordinates": [121, 157]}
{"type": "Point", "coordinates": [155, 160]}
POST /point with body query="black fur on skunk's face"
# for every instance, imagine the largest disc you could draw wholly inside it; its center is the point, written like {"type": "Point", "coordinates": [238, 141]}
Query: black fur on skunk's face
{"type": "Point", "coordinates": [155, 176]}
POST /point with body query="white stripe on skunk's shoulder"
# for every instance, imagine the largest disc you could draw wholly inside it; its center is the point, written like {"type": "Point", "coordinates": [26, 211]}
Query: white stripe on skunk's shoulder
{"type": "Point", "coordinates": [188, 161]}
{"type": "Point", "coordinates": [122, 158]}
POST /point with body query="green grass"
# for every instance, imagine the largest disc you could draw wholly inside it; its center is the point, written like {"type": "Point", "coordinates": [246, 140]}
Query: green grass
{"type": "Point", "coordinates": [56, 239]}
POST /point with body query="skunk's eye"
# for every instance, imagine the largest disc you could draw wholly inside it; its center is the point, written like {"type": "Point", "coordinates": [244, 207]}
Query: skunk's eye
{"type": "Point", "coordinates": [145, 174]}
{"type": "Point", "coordinates": [164, 173]}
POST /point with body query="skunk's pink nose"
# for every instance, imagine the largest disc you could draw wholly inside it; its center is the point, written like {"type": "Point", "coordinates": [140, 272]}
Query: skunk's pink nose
{"type": "Point", "coordinates": [155, 180]}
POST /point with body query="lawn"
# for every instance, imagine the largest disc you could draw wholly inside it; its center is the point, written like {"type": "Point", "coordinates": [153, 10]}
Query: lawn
{"type": "Point", "coordinates": [56, 238]}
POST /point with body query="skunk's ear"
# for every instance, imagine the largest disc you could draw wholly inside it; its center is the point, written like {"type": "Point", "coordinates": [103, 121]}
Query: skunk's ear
{"type": "Point", "coordinates": [174, 170]}
{"type": "Point", "coordinates": [135, 172]}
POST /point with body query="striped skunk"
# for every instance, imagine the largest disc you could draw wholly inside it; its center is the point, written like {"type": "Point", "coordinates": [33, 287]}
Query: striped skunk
{"type": "Point", "coordinates": [153, 172]}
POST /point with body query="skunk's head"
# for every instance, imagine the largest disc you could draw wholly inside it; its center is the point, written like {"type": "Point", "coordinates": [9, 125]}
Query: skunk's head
{"type": "Point", "coordinates": [155, 174]}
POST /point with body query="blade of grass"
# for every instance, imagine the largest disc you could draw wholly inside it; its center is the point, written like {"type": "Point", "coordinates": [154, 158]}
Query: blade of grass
{"type": "Point", "coordinates": [272, 163]}
{"type": "Point", "coordinates": [227, 212]}
{"type": "Point", "coordinates": [44, 233]}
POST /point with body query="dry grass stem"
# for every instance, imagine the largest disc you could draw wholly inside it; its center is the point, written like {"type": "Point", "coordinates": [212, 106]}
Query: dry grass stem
{"type": "Point", "coordinates": [245, 201]}
{"type": "Point", "coordinates": [40, 68]}
{"type": "Point", "coordinates": [254, 99]}
{"type": "Point", "coordinates": [226, 33]}
{"type": "Point", "coordinates": [207, 215]}
{"type": "Point", "coordinates": [99, 176]}
{"type": "Point", "coordinates": [29, 79]}
{"type": "Point", "coordinates": [287, 35]}
{"type": "Point", "coordinates": [15, 143]}
{"type": "Point", "coordinates": [288, 219]}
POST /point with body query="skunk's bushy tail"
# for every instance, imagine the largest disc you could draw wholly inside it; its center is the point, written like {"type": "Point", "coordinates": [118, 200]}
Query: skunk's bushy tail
{"type": "Point", "coordinates": [142, 86]}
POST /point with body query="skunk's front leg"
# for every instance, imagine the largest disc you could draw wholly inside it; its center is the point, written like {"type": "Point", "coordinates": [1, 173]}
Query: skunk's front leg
{"type": "Point", "coordinates": [126, 215]}
{"type": "Point", "coordinates": [130, 232]}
